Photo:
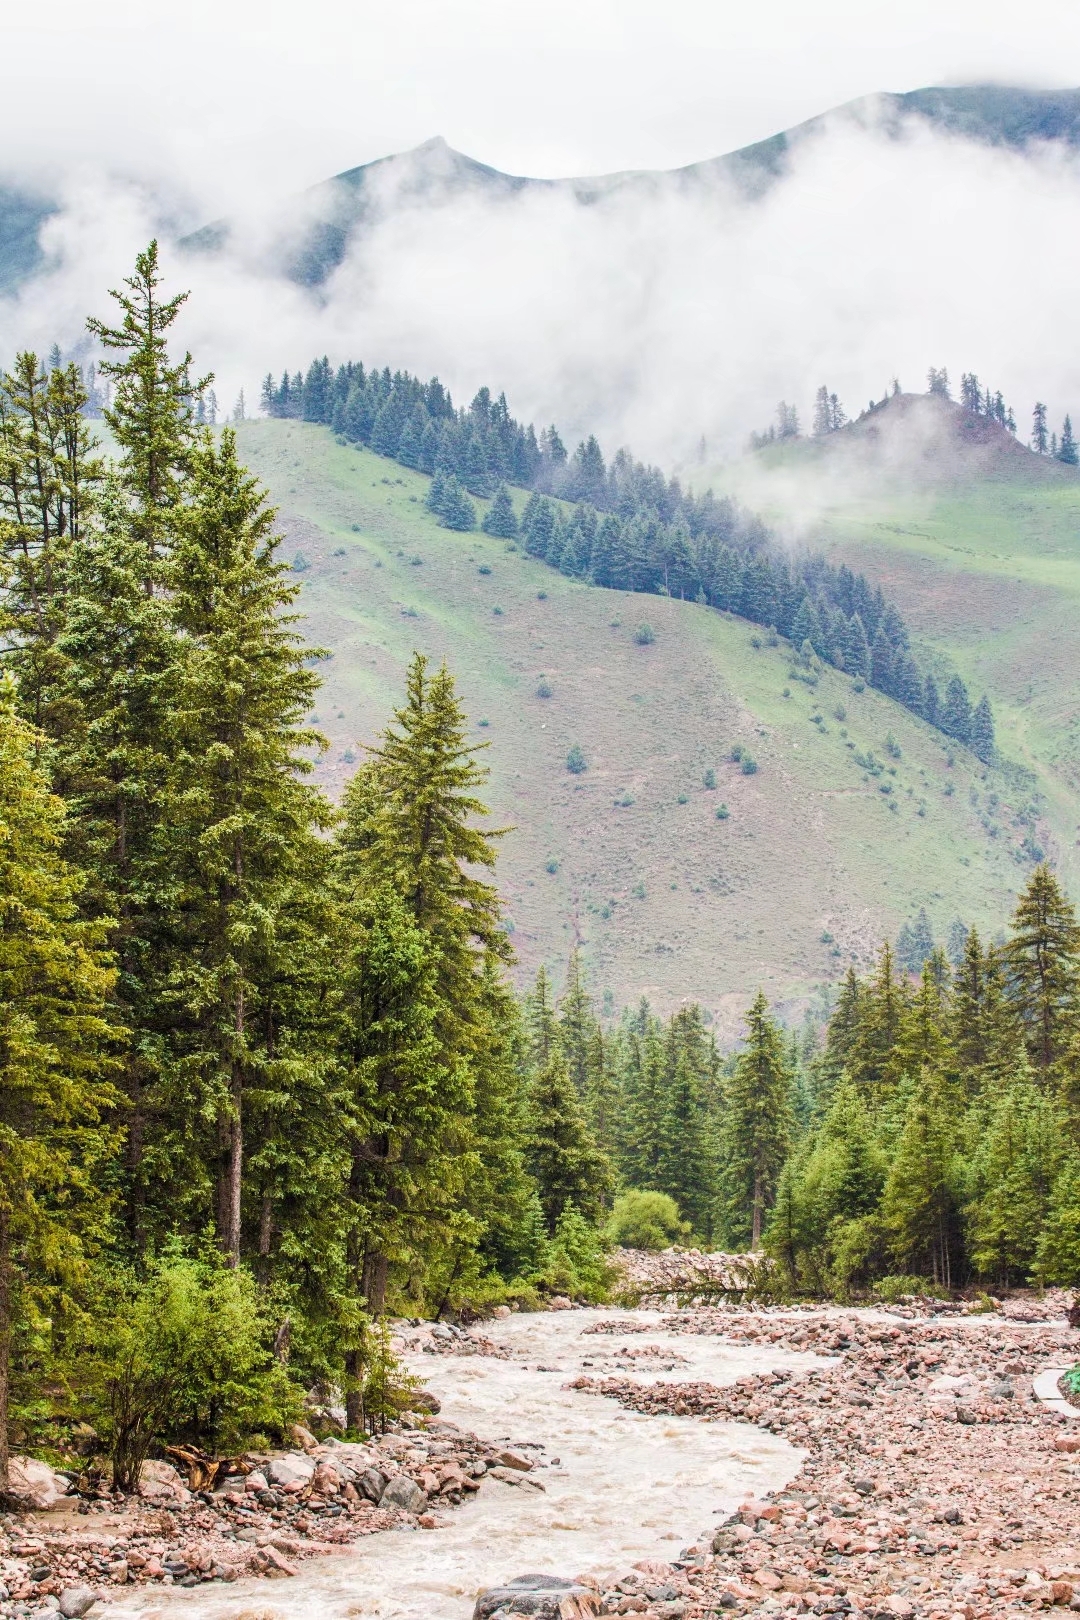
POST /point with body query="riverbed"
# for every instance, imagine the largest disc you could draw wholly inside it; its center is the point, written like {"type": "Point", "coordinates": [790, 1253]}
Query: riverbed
{"type": "Point", "coordinates": [618, 1486]}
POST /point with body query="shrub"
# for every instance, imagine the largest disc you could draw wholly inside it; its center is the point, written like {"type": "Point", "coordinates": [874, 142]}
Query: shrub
{"type": "Point", "coordinates": [722, 812]}
{"type": "Point", "coordinates": [683, 798]}
{"type": "Point", "coordinates": [749, 765]}
{"type": "Point", "coordinates": [551, 866]}
{"type": "Point", "coordinates": [300, 564]}
{"type": "Point", "coordinates": [737, 753]}
{"type": "Point", "coordinates": [646, 1220]}
{"type": "Point", "coordinates": [544, 688]}
{"type": "Point", "coordinates": [638, 891]}
{"type": "Point", "coordinates": [892, 747]}
{"type": "Point", "coordinates": [644, 635]}
{"type": "Point", "coordinates": [840, 713]}
{"type": "Point", "coordinates": [575, 1260]}
{"type": "Point", "coordinates": [575, 761]}
{"type": "Point", "coordinates": [483, 569]}
{"type": "Point", "coordinates": [340, 551]}
{"type": "Point", "coordinates": [858, 685]}
{"type": "Point", "coordinates": [183, 1354]}
{"type": "Point", "coordinates": [541, 596]}
{"type": "Point", "coordinates": [710, 778]}
{"type": "Point", "coordinates": [755, 641]}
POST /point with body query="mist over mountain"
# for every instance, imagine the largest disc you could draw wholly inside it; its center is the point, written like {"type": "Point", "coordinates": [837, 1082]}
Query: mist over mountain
{"type": "Point", "coordinates": [309, 236]}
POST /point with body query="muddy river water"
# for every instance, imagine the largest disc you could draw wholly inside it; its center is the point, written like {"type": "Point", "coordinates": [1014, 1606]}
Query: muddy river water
{"type": "Point", "coordinates": [624, 1486]}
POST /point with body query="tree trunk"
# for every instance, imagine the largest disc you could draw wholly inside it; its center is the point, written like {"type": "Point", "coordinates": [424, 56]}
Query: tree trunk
{"type": "Point", "coordinates": [5, 1344]}
{"type": "Point", "coordinates": [354, 1400]}
{"type": "Point", "coordinates": [755, 1234]}
{"type": "Point", "coordinates": [266, 1233]}
{"type": "Point", "coordinates": [373, 1281]}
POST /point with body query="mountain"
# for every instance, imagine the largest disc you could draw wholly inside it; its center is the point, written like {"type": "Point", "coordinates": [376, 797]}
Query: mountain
{"type": "Point", "coordinates": [22, 214]}
{"type": "Point", "coordinates": [857, 815]}
{"type": "Point", "coordinates": [975, 539]}
{"type": "Point", "coordinates": [309, 235]}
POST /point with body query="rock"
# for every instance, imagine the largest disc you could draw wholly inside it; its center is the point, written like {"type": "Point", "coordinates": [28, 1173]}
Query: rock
{"type": "Point", "coordinates": [371, 1483]}
{"type": "Point", "coordinates": [292, 1469]}
{"type": "Point", "coordinates": [422, 1400]}
{"type": "Point", "coordinates": [559, 1302]}
{"type": "Point", "coordinates": [75, 1600]}
{"type": "Point", "coordinates": [501, 1312]}
{"type": "Point", "coordinates": [548, 1597]}
{"type": "Point", "coordinates": [403, 1492]}
{"type": "Point", "coordinates": [514, 1459]}
{"type": "Point", "coordinates": [35, 1484]}
{"type": "Point", "coordinates": [1067, 1442]}
{"type": "Point", "coordinates": [303, 1437]}
{"type": "Point", "coordinates": [162, 1482]}
{"type": "Point", "coordinates": [277, 1563]}
{"type": "Point", "coordinates": [514, 1476]}
{"type": "Point", "coordinates": [964, 1414]}
{"type": "Point", "coordinates": [258, 1481]}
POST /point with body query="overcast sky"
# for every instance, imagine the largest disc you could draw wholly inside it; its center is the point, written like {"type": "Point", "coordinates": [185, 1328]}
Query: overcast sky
{"type": "Point", "coordinates": [231, 94]}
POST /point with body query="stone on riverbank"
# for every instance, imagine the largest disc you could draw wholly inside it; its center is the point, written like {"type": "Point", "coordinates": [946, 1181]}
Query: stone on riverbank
{"type": "Point", "coordinates": [547, 1597]}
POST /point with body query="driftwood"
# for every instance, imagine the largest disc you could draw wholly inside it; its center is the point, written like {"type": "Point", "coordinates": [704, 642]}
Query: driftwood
{"type": "Point", "coordinates": [202, 1470]}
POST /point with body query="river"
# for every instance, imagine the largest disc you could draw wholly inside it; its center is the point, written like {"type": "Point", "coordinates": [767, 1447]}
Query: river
{"type": "Point", "coordinates": [624, 1486]}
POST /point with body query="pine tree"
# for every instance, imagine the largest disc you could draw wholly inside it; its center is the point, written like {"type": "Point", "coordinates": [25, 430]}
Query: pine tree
{"type": "Point", "coordinates": [1018, 1155]}
{"type": "Point", "coordinates": [955, 718]}
{"type": "Point", "coordinates": [1067, 444]}
{"type": "Point", "coordinates": [541, 1024]}
{"type": "Point", "coordinates": [920, 1201]}
{"type": "Point", "coordinates": [982, 731]}
{"type": "Point", "coordinates": [152, 414]}
{"type": "Point", "coordinates": [686, 1170]}
{"type": "Point", "coordinates": [756, 1128]}
{"type": "Point", "coordinates": [56, 1098]}
{"type": "Point", "coordinates": [568, 1167]}
{"type": "Point", "coordinates": [1043, 961]}
{"type": "Point", "coordinates": [500, 519]}
{"type": "Point", "coordinates": [246, 822]}
{"type": "Point", "coordinates": [881, 661]}
{"type": "Point", "coordinates": [456, 511]}
{"type": "Point", "coordinates": [1038, 429]}
{"type": "Point", "coordinates": [577, 1025]}
{"type": "Point", "coordinates": [410, 819]}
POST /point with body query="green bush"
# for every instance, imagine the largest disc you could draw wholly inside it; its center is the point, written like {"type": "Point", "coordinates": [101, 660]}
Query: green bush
{"type": "Point", "coordinates": [749, 765]}
{"type": "Point", "coordinates": [646, 1220]}
{"type": "Point", "coordinates": [183, 1354]}
{"type": "Point", "coordinates": [710, 778]}
{"type": "Point", "coordinates": [722, 812]}
{"type": "Point", "coordinates": [575, 761]}
{"type": "Point", "coordinates": [644, 635]}
{"type": "Point", "coordinates": [544, 688]}
{"type": "Point", "coordinates": [575, 1260]}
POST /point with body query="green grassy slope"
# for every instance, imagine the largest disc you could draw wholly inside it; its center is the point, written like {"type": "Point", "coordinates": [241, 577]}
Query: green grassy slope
{"type": "Point", "coordinates": [665, 899]}
{"type": "Point", "coordinates": [978, 541]}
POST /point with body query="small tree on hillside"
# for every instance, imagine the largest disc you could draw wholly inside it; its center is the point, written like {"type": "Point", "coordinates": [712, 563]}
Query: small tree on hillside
{"type": "Point", "coordinates": [1039, 436]}
{"type": "Point", "coordinates": [500, 520]}
{"type": "Point", "coordinates": [1067, 444]}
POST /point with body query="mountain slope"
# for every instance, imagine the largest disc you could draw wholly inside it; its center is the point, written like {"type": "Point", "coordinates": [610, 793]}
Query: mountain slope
{"type": "Point", "coordinates": [311, 234]}
{"type": "Point", "coordinates": [978, 541]}
{"type": "Point", "coordinates": [814, 861]}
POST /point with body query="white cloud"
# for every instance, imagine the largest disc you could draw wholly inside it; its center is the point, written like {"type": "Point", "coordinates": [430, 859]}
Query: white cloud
{"type": "Point", "coordinates": [652, 317]}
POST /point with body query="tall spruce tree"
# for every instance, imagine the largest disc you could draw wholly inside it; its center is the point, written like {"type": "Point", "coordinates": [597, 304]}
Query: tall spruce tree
{"type": "Point", "coordinates": [56, 1099]}
{"type": "Point", "coordinates": [1043, 963]}
{"type": "Point", "coordinates": [756, 1129]}
{"type": "Point", "coordinates": [568, 1167]}
{"type": "Point", "coordinates": [247, 823]}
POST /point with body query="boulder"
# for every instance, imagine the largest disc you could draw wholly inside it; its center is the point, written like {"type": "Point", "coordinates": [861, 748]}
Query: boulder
{"type": "Point", "coordinates": [548, 1597]}
{"type": "Point", "coordinates": [292, 1469]}
{"type": "Point", "coordinates": [35, 1484]}
{"type": "Point", "coordinates": [162, 1482]}
{"type": "Point", "coordinates": [403, 1492]}
{"type": "Point", "coordinates": [75, 1601]}
{"type": "Point", "coordinates": [371, 1483]}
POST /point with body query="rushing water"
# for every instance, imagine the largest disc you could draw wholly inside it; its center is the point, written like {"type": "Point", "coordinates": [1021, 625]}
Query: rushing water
{"type": "Point", "coordinates": [626, 1486]}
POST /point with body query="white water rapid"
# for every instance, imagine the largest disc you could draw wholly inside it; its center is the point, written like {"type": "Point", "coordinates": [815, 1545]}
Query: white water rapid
{"type": "Point", "coordinates": [626, 1486]}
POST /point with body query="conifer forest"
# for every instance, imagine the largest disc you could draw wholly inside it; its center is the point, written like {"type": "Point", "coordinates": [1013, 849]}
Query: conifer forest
{"type": "Point", "coordinates": [264, 1078]}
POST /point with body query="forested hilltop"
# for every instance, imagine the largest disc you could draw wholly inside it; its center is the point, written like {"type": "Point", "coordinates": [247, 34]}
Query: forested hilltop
{"type": "Point", "coordinates": [263, 1081]}
{"type": "Point", "coordinates": [630, 528]}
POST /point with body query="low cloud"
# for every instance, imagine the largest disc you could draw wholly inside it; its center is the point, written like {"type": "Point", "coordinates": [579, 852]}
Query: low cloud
{"type": "Point", "coordinates": [657, 316]}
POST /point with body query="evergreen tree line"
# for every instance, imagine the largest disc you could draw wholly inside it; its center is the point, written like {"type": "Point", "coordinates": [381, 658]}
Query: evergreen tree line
{"type": "Point", "coordinates": [261, 1073]}
{"type": "Point", "coordinates": [630, 529]}
{"type": "Point", "coordinates": [943, 1139]}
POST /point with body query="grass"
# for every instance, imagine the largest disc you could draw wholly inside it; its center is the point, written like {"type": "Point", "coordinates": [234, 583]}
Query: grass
{"type": "Point", "coordinates": [628, 858]}
{"type": "Point", "coordinates": [980, 549]}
